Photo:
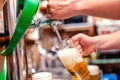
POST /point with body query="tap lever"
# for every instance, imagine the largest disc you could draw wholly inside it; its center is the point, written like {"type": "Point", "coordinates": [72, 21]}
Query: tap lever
{"type": "Point", "coordinates": [43, 23]}
{"type": "Point", "coordinates": [40, 23]}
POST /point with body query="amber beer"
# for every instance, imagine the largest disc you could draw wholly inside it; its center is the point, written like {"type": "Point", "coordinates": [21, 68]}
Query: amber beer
{"type": "Point", "coordinates": [94, 72]}
{"type": "Point", "coordinates": [74, 63]}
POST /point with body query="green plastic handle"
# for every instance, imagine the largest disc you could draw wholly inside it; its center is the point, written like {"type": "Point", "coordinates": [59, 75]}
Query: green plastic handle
{"type": "Point", "coordinates": [29, 10]}
{"type": "Point", "coordinates": [3, 73]}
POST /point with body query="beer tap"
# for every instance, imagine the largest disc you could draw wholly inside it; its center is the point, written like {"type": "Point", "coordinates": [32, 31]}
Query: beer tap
{"type": "Point", "coordinates": [52, 23]}
{"type": "Point", "coordinates": [41, 20]}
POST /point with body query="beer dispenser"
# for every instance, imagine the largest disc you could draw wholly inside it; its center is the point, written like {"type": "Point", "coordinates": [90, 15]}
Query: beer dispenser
{"type": "Point", "coordinates": [18, 17]}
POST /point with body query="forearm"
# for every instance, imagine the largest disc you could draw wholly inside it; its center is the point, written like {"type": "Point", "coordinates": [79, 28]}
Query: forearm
{"type": "Point", "coordinates": [100, 8]}
{"type": "Point", "coordinates": [109, 41]}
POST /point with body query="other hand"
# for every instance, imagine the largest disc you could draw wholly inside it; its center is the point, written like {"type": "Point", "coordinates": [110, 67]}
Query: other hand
{"type": "Point", "coordinates": [85, 44]}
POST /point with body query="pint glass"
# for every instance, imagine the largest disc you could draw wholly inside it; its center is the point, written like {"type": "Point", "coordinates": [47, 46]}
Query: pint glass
{"type": "Point", "coordinates": [74, 63]}
{"type": "Point", "coordinates": [94, 72]}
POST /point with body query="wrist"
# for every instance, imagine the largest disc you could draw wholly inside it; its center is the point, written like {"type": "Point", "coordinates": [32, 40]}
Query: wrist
{"type": "Point", "coordinates": [96, 43]}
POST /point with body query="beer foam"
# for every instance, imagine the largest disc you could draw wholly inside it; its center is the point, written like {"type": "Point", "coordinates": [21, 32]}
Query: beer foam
{"type": "Point", "coordinates": [93, 69]}
{"type": "Point", "coordinates": [70, 56]}
{"type": "Point", "coordinates": [42, 76]}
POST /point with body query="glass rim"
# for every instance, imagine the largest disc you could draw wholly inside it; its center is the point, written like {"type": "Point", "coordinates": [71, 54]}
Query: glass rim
{"type": "Point", "coordinates": [42, 75]}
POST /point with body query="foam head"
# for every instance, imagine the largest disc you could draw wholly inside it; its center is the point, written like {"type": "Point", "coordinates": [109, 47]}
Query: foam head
{"type": "Point", "coordinates": [42, 76]}
{"type": "Point", "coordinates": [93, 69]}
{"type": "Point", "coordinates": [70, 56]}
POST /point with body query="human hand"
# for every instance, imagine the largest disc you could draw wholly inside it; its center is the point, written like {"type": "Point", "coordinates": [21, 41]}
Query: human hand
{"type": "Point", "coordinates": [85, 44]}
{"type": "Point", "coordinates": [62, 9]}
{"type": "Point", "coordinates": [2, 2]}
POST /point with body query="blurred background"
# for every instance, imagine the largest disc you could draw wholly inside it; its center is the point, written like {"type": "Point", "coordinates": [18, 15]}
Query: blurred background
{"type": "Point", "coordinates": [40, 42]}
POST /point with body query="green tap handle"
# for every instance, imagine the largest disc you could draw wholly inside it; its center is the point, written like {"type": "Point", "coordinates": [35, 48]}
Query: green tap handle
{"type": "Point", "coordinates": [29, 10]}
{"type": "Point", "coordinates": [3, 73]}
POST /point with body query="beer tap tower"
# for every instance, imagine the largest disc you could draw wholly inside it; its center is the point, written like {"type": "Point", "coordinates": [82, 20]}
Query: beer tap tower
{"type": "Point", "coordinates": [18, 17]}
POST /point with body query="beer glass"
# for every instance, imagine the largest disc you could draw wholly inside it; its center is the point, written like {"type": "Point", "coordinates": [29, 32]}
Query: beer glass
{"type": "Point", "coordinates": [94, 72]}
{"type": "Point", "coordinates": [42, 76]}
{"type": "Point", "coordinates": [73, 61]}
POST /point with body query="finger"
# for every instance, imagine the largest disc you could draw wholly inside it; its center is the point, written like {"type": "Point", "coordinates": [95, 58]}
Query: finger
{"type": "Point", "coordinates": [77, 37]}
{"type": "Point", "coordinates": [70, 42]}
{"type": "Point", "coordinates": [79, 47]}
{"type": "Point", "coordinates": [43, 6]}
{"type": "Point", "coordinates": [77, 43]}
{"type": "Point", "coordinates": [48, 9]}
{"type": "Point", "coordinates": [50, 16]}
{"type": "Point", "coordinates": [82, 53]}
{"type": "Point", "coordinates": [85, 53]}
